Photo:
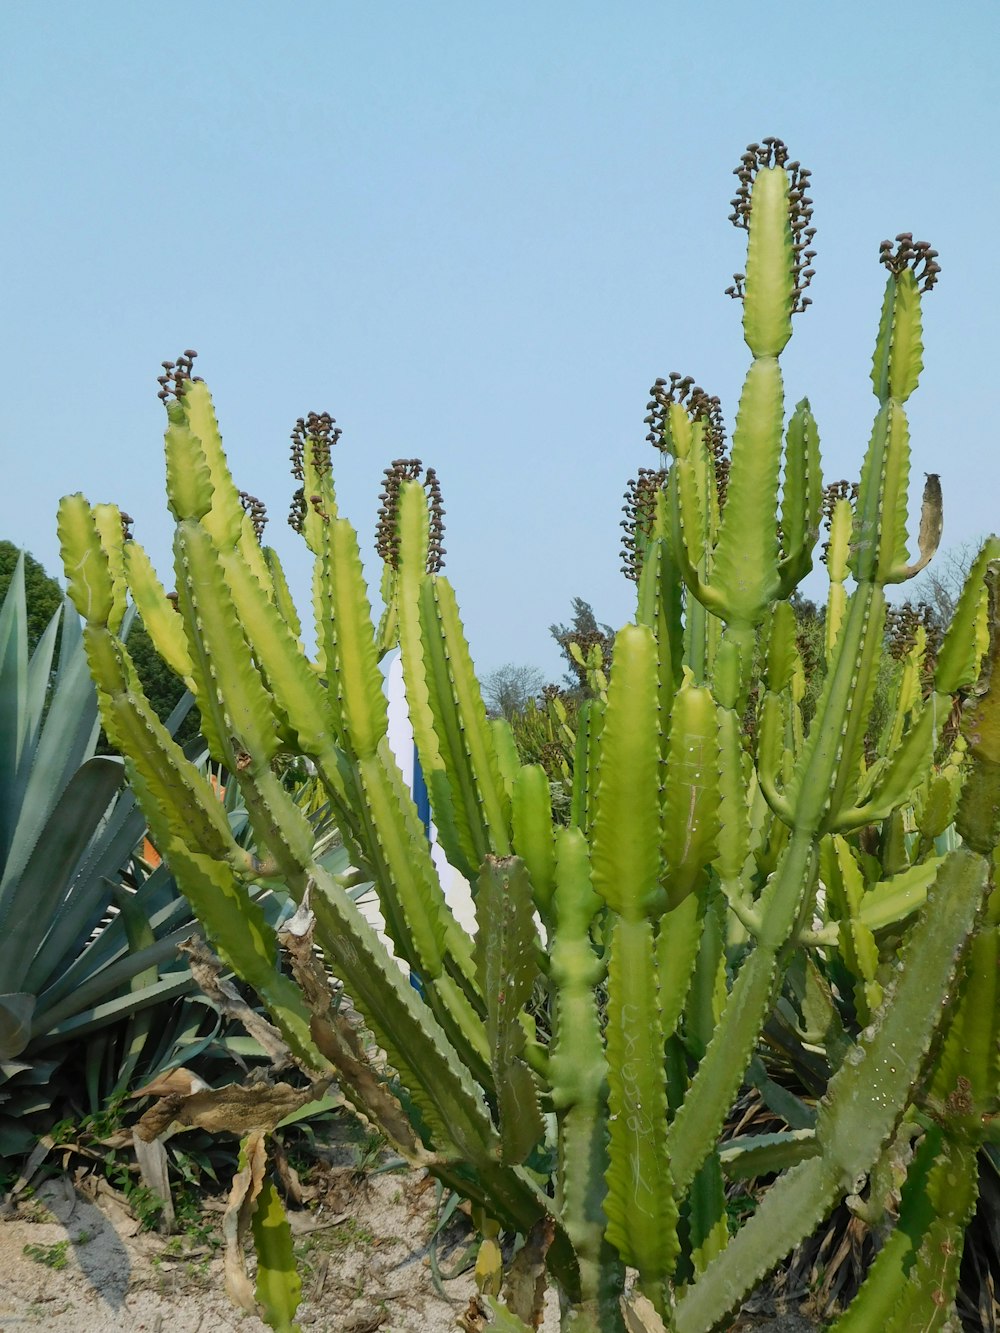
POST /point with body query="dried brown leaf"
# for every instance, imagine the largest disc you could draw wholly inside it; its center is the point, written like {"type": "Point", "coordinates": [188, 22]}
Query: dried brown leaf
{"type": "Point", "coordinates": [178, 1080]}
{"type": "Point", "coordinates": [232, 1109]}
{"type": "Point", "coordinates": [640, 1315]}
{"type": "Point", "coordinates": [524, 1292]}
{"type": "Point", "coordinates": [242, 1200]}
{"type": "Point", "coordinates": [337, 1040]}
{"type": "Point", "coordinates": [207, 972]}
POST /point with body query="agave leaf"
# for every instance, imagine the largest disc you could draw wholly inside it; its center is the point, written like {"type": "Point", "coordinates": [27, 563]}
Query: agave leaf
{"type": "Point", "coordinates": [16, 1011]}
{"type": "Point", "coordinates": [110, 977]}
{"type": "Point", "coordinates": [31, 901]}
{"type": "Point", "coordinates": [67, 741]}
{"type": "Point", "coordinates": [13, 688]}
{"type": "Point", "coordinates": [39, 677]}
{"type": "Point", "coordinates": [161, 904]}
{"type": "Point", "coordinates": [101, 1015]}
{"type": "Point", "coordinates": [88, 893]}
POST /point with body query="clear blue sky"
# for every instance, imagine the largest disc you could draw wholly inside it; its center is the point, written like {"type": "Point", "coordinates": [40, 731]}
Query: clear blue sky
{"type": "Point", "coordinates": [474, 233]}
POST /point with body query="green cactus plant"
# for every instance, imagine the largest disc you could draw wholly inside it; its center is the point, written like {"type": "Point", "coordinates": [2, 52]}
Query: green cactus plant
{"type": "Point", "coordinates": [571, 1068]}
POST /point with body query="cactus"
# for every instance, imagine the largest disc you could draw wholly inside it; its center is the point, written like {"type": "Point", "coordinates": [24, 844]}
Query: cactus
{"type": "Point", "coordinates": [572, 1081]}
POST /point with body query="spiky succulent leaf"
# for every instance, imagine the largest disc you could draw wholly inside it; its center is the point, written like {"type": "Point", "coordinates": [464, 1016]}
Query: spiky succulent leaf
{"type": "Point", "coordinates": [690, 818]}
{"type": "Point", "coordinates": [911, 1283]}
{"type": "Point", "coordinates": [88, 574]}
{"type": "Point", "coordinates": [746, 555]}
{"type": "Point", "coordinates": [640, 1206]}
{"type": "Point", "coordinates": [278, 1284]}
{"type": "Point", "coordinates": [692, 1133]}
{"type": "Point", "coordinates": [863, 1104]}
{"type": "Point", "coordinates": [532, 823]}
{"type": "Point", "coordinates": [505, 959]}
{"type": "Point", "coordinates": [801, 496]}
{"type": "Point", "coordinates": [967, 637]}
{"type": "Point", "coordinates": [878, 545]}
{"type": "Point", "coordinates": [238, 700]}
{"type": "Point", "coordinates": [159, 615]}
{"type": "Point", "coordinates": [979, 808]}
{"type": "Point", "coordinates": [898, 358]}
{"type": "Point", "coordinates": [767, 306]}
{"type": "Point", "coordinates": [460, 714]}
{"type": "Point", "coordinates": [351, 657]}
{"type": "Point", "coordinates": [626, 840]}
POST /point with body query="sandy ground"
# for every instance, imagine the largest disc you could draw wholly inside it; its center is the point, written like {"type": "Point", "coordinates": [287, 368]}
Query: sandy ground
{"type": "Point", "coordinates": [89, 1269]}
{"type": "Point", "coordinates": [363, 1269]}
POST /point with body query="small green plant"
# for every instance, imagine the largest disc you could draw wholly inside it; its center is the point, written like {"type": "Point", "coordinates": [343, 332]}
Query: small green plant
{"type": "Point", "coordinates": [145, 1204]}
{"type": "Point", "coordinates": [196, 1226]}
{"type": "Point", "coordinates": [370, 1151]}
{"type": "Point", "coordinates": [572, 1083]}
{"type": "Point", "coordinates": [51, 1256]}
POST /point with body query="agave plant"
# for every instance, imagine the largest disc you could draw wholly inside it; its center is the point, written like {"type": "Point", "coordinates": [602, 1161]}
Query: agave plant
{"type": "Point", "coordinates": [90, 977]}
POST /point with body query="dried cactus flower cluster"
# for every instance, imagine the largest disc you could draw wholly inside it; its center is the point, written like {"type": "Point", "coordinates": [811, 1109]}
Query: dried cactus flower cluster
{"type": "Point", "coordinates": [903, 624]}
{"type": "Point", "coordinates": [318, 432]}
{"type": "Point", "coordinates": [572, 1082]}
{"type": "Point", "coordinates": [313, 438]}
{"type": "Point", "coordinates": [639, 510]}
{"type": "Point", "coordinates": [386, 535]}
{"type": "Point", "coordinates": [175, 375]}
{"type": "Point", "coordinates": [918, 256]}
{"type": "Point", "coordinates": [838, 490]}
{"type": "Point", "coordinates": [846, 491]}
{"type": "Point", "coordinates": [675, 389]}
{"type": "Point", "coordinates": [257, 510]}
{"type": "Point", "coordinates": [702, 407]}
{"type": "Point", "coordinates": [297, 510]}
{"type": "Point", "coordinates": [773, 153]}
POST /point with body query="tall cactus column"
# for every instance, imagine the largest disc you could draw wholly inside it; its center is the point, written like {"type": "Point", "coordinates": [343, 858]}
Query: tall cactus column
{"type": "Point", "coordinates": [750, 570]}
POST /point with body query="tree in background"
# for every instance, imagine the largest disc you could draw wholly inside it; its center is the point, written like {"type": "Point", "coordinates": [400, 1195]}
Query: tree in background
{"type": "Point", "coordinates": [940, 584]}
{"type": "Point", "coordinates": [508, 690]}
{"type": "Point", "coordinates": [42, 593]}
{"type": "Point", "coordinates": [163, 688]}
{"type": "Point", "coordinates": [584, 631]}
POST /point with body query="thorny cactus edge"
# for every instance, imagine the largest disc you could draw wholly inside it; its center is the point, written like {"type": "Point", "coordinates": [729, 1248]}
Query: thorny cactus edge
{"type": "Point", "coordinates": [573, 1084]}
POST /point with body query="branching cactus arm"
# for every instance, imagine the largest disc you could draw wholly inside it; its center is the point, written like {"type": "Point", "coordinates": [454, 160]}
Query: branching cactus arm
{"type": "Point", "coordinates": [862, 1107]}
{"type": "Point", "coordinates": [641, 1211]}
{"type": "Point", "coordinates": [456, 747]}
{"type": "Point", "coordinates": [801, 498]}
{"type": "Point", "coordinates": [506, 949]}
{"type": "Point", "coordinates": [841, 519]}
{"type": "Point", "coordinates": [186, 817]}
{"type": "Point", "coordinates": [907, 1284]}
{"type": "Point", "coordinates": [824, 787]}
{"type": "Point", "coordinates": [418, 1048]}
{"type": "Point", "coordinates": [578, 1073]}
{"type": "Point", "coordinates": [869, 1093]}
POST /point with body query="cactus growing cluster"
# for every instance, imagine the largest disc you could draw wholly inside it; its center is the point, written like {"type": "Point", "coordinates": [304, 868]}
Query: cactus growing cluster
{"type": "Point", "coordinates": [569, 1069]}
